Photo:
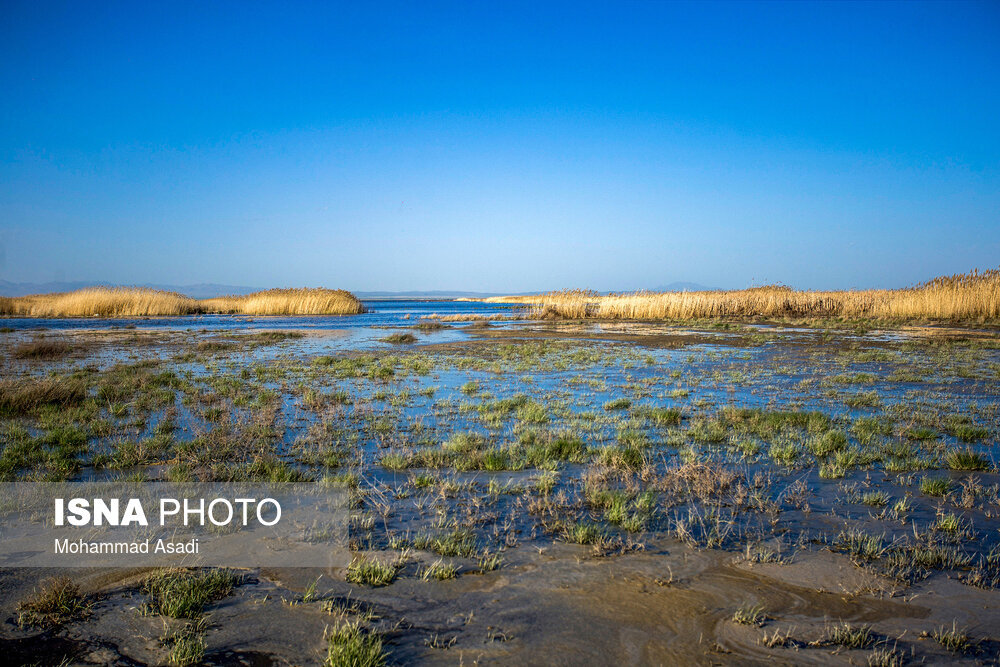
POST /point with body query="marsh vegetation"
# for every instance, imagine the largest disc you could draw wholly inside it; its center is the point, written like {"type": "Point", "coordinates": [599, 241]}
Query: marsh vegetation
{"type": "Point", "coordinates": [121, 302]}
{"type": "Point", "coordinates": [973, 296]}
{"type": "Point", "coordinates": [516, 489]}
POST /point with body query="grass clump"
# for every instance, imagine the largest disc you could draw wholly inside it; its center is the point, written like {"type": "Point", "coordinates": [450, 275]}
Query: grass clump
{"type": "Point", "coordinates": [622, 457]}
{"type": "Point", "coordinates": [400, 339]}
{"type": "Point", "coordinates": [23, 396]}
{"type": "Point", "coordinates": [350, 646]}
{"type": "Point", "coordinates": [935, 486]}
{"type": "Point", "coordinates": [659, 416]}
{"type": "Point", "coordinates": [439, 570]}
{"type": "Point", "coordinates": [187, 646]}
{"type": "Point", "coordinates": [785, 454]}
{"type": "Point", "coordinates": [954, 639]}
{"type": "Point", "coordinates": [884, 656]}
{"type": "Point", "coordinates": [58, 600]}
{"type": "Point", "coordinates": [962, 427]}
{"type": "Point", "coordinates": [490, 561]}
{"type": "Point", "coordinates": [875, 498]}
{"type": "Point", "coordinates": [372, 572]}
{"type": "Point", "coordinates": [860, 545]}
{"type": "Point", "coordinates": [42, 349]}
{"type": "Point", "coordinates": [747, 615]}
{"type": "Point", "coordinates": [966, 459]}
{"type": "Point", "coordinates": [457, 543]}
{"type": "Point", "coordinates": [582, 533]}
{"type": "Point", "coordinates": [850, 636]}
{"type": "Point", "coordinates": [949, 523]}
{"type": "Point", "coordinates": [186, 593]}
{"type": "Point", "coordinates": [618, 404]}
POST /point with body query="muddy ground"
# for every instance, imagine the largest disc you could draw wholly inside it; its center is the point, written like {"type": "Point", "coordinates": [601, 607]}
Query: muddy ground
{"type": "Point", "coordinates": [557, 493]}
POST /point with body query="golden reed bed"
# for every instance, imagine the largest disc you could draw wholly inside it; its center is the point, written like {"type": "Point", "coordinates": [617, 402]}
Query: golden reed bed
{"type": "Point", "coordinates": [144, 302]}
{"type": "Point", "coordinates": [973, 296]}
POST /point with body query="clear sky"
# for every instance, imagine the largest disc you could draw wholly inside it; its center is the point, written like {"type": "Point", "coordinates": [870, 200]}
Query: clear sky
{"type": "Point", "coordinates": [498, 146]}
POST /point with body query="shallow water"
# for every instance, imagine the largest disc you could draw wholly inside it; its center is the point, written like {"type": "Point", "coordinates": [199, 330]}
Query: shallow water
{"type": "Point", "coordinates": [380, 313]}
{"type": "Point", "coordinates": [447, 436]}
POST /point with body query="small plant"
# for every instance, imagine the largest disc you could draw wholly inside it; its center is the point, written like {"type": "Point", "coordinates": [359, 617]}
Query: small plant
{"type": "Point", "coordinates": [830, 470]}
{"type": "Point", "coordinates": [439, 570]}
{"type": "Point", "coordinates": [949, 523]}
{"type": "Point", "coordinates": [582, 533]}
{"type": "Point", "coordinates": [372, 572]}
{"type": "Point", "coordinates": [778, 639]}
{"type": "Point", "coordinates": [935, 486]}
{"type": "Point", "coordinates": [42, 349]}
{"type": "Point", "coordinates": [58, 601]}
{"type": "Point", "coordinates": [185, 593]}
{"type": "Point", "coordinates": [400, 339]}
{"type": "Point", "coordinates": [187, 645]}
{"type": "Point", "coordinates": [747, 615]}
{"type": "Point", "coordinates": [310, 595]}
{"type": "Point", "coordinates": [901, 508]}
{"type": "Point", "coordinates": [850, 636]}
{"type": "Point", "coordinates": [861, 545]}
{"type": "Point", "coordinates": [830, 442]}
{"type": "Point", "coordinates": [884, 656]}
{"type": "Point", "coordinates": [490, 561]}
{"type": "Point", "coordinates": [786, 454]}
{"type": "Point", "coordinates": [954, 639]}
{"type": "Point", "coordinates": [618, 404]}
{"type": "Point", "coordinates": [546, 481]}
{"type": "Point", "coordinates": [875, 498]}
{"type": "Point", "coordinates": [963, 429]}
{"type": "Point", "coordinates": [349, 646]}
{"type": "Point", "coordinates": [966, 459]}
{"type": "Point", "coordinates": [395, 461]}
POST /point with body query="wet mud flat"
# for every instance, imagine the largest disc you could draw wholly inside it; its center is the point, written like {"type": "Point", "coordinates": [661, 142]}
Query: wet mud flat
{"type": "Point", "coordinates": [534, 493]}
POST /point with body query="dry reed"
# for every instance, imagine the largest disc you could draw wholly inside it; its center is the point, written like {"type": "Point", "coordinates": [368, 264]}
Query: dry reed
{"type": "Point", "coordinates": [101, 302]}
{"type": "Point", "coordinates": [287, 302]}
{"type": "Point", "coordinates": [145, 302]}
{"type": "Point", "coordinates": [973, 296]}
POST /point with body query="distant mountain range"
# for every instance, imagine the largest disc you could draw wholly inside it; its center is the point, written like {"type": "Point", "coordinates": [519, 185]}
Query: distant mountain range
{"type": "Point", "coordinates": [429, 294]}
{"type": "Point", "coordinates": [683, 287]}
{"type": "Point", "coordinates": [209, 290]}
{"type": "Point", "coordinates": [200, 291]}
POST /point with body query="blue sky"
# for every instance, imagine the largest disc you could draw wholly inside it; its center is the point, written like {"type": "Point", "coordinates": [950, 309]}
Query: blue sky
{"type": "Point", "coordinates": [499, 146]}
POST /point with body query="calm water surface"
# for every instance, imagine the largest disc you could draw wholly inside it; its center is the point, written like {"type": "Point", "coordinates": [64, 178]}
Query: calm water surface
{"type": "Point", "coordinates": [381, 313]}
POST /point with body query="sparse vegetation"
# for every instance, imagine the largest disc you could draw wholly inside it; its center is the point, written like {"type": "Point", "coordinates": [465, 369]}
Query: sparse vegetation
{"type": "Point", "coordinates": [952, 639]}
{"type": "Point", "coordinates": [57, 601]}
{"type": "Point", "coordinates": [371, 571]}
{"type": "Point", "coordinates": [185, 593]}
{"type": "Point", "coordinates": [850, 636]}
{"type": "Point", "coordinates": [454, 456]}
{"type": "Point", "coordinates": [401, 338]}
{"type": "Point", "coordinates": [350, 646]}
{"type": "Point", "coordinates": [747, 615]}
{"type": "Point", "coordinates": [935, 486]}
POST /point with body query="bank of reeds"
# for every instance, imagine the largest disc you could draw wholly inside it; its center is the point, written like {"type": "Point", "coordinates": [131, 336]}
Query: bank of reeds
{"type": "Point", "coordinates": [145, 302]}
{"type": "Point", "coordinates": [287, 302]}
{"type": "Point", "coordinates": [101, 302]}
{"type": "Point", "coordinates": [973, 296]}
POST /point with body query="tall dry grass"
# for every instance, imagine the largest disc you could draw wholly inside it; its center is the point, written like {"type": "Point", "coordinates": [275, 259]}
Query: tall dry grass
{"type": "Point", "coordinates": [100, 301]}
{"type": "Point", "coordinates": [145, 302]}
{"type": "Point", "coordinates": [973, 296]}
{"type": "Point", "coordinates": [304, 301]}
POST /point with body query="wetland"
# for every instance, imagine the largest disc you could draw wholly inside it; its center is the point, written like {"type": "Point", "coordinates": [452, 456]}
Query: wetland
{"type": "Point", "coordinates": [528, 491]}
